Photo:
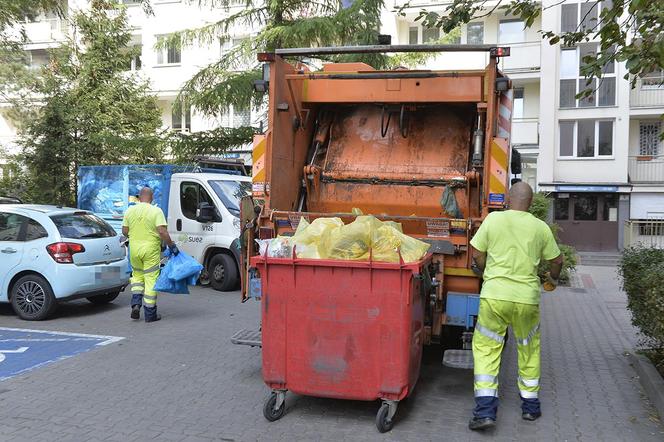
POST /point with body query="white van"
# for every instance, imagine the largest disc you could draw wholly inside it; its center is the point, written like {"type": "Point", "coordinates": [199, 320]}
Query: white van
{"type": "Point", "coordinates": [202, 209]}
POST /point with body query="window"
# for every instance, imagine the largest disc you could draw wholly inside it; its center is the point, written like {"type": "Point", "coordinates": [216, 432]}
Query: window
{"type": "Point", "coordinates": [573, 82]}
{"type": "Point", "coordinates": [82, 225]}
{"type": "Point", "coordinates": [235, 117]}
{"type": "Point", "coordinates": [517, 103]}
{"type": "Point", "coordinates": [567, 138]}
{"type": "Point", "coordinates": [413, 35]}
{"type": "Point", "coordinates": [169, 54]}
{"type": "Point", "coordinates": [569, 17]}
{"type": "Point", "coordinates": [649, 137]}
{"type": "Point", "coordinates": [191, 195]}
{"type": "Point", "coordinates": [561, 209]}
{"type": "Point", "coordinates": [430, 35]}
{"type": "Point", "coordinates": [10, 226]}
{"type": "Point", "coordinates": [230, 43]}
{"type": "Point", "coordinates": [585, 208]}
{"type": "Point", "coordinates": [586, 138]}
{"type": "Point", "coordinates": [35, 231]}
{"type": "Point", "coordinates": [180, 114]}
{"type": "Point", "coordinates": [511, 31]}
{"type": "Point", "coordinates": [475, 32]}
{"type": "Point", "coordinates": [588, 15]}
{"type": "Point", "coordinates": [653, 80]}
{"type": "Point", "coordinates": [134, 63]}
{"type": "Point", "coordinates": [610, 208]}
{"type": "Point", "coordinates": [230, 193]}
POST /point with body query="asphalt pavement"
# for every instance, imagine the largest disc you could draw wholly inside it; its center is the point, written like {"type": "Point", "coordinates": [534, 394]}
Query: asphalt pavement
{"type": "Point", "coordinates": [181, 379]}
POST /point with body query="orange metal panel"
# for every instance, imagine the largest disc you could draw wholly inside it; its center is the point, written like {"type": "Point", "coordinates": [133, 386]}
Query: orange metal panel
{"type": "Point", "coordinates": [436, 145]}
{"type": "Point", "coordinates": [413, 90]}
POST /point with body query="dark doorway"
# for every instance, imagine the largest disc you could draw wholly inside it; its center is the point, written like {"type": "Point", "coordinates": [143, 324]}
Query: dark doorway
{"type": "Point", "coordinates": [588, 221]}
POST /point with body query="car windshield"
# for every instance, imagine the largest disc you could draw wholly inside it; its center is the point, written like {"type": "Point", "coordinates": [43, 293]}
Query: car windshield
{"type": "Point", "coordinates": [230, 193]}
{"type": "Point", "coordinates": [82, 225]}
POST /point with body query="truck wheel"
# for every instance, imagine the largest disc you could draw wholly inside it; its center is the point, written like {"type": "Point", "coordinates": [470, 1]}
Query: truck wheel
{"type": "Point", "coordinates": [222, 272]}
{"type": "Point", "coordinates": [33, 298]}
{"type": "Point", "coordinates": [103, 299]}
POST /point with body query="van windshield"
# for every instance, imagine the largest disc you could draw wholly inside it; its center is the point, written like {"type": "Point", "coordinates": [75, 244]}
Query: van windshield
{"type": "Point", "coordinates": [230, 193]}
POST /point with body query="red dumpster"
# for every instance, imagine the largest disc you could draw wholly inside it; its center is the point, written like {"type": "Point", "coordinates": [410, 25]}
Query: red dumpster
{"type": "Point", "coordinates": [341, 329]}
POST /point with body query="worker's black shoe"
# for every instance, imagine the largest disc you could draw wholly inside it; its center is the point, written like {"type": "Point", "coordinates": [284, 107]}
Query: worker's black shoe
{"type": "Point", "coordinates": [154, 318]}
{"type": "Point", "coordinates": [481, 423]}
{"type": "Point", "coordinates": [136, 312]}
{"type": "Point", "coordinates": [531, 416]}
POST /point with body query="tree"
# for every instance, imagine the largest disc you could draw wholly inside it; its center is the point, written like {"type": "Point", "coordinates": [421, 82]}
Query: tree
{"type": "Point", "coordinates": [630, 31]}
{"type": "Point", "coordinates": [91, 111]}
{"type": "Point", "coordinates": [281, 24]}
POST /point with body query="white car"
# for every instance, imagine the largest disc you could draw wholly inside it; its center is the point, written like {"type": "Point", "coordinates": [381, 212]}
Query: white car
{"type": "Point", "coordinates": [50, 254]}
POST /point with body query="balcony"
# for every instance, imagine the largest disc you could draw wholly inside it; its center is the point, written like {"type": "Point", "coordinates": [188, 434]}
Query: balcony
{"type": "Point", "coordinates": [47, 30]}
{"type": "Point", "coordinates": [646, 169]}
{"type": "Point", "coordinates": [649, 233]}
{"type": "Point", "coordinates": [646, 93]}
{"type": "Point", "coordinates": [525, 131]}
{"type": "Point", "coordinates": [524, 58]}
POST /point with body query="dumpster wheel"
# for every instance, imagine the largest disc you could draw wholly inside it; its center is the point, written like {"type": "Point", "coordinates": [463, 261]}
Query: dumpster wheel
{"type": "Point", "coordinates": [275, 406]}
{"type": "Point", "coordinates": [385, 416]}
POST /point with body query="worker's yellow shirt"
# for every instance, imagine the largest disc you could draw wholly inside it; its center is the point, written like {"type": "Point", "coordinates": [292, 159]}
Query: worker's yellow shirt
{"type": "Point", "coordinates": [143, 220]}
{"type": "Point", "coordinates": [514, 242]}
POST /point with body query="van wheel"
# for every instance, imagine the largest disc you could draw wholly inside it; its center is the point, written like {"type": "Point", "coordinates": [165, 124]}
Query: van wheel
{"type": "Point", "coordinates": [103, 299]}
{"type": "Point", "coordinates": [32, 298]}
{"type": "Point", "coordinates": [222, 272]}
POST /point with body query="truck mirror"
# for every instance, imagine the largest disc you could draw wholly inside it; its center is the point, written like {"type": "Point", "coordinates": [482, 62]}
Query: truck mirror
{"type": "Point", "coordinates": [205, 213]}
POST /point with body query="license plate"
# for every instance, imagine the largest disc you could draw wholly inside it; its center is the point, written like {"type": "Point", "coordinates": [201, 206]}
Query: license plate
{"type": "Point", "coordinates": [107, 274]}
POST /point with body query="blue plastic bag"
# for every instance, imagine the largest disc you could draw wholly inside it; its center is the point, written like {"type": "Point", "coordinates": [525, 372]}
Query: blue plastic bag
{"type": "Point", "coordinates": [179, 271]}
{"type": "Point", "coordinates": [181, 266]}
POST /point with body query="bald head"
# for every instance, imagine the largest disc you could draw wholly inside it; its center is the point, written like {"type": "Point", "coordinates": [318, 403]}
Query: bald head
{"type": "Point", "coordinates": [521, 195]}
{"type": "Point", "coordinates": [146, 195]}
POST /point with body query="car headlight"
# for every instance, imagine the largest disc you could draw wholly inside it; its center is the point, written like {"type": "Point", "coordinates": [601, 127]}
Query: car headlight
{"type": "Point", "coordinates": [236, 223]}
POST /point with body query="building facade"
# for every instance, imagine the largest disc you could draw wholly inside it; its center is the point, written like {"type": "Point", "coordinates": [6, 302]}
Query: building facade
{"type": "Point", "coordinates": [600, 157]}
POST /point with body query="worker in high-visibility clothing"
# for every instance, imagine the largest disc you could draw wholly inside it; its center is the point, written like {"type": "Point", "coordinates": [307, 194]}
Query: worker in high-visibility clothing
{"type": "Point", "coordinates": [145, 226]}
{"type": "Point", "coordinates": [508, 248]}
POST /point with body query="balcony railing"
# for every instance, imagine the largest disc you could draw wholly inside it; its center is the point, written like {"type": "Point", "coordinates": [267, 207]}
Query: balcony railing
{"type": "Point", "coordinates": [649, 233]}
{"type": "Point", "coordinates": [646, 169]}
{"type": "Point", "coordinates": [524, 57]}
{"type": "Point", "coordinates": [525, 131]}
{"type": "Point", "coordinates": [647, 93]}
{"type": "Point", "coordinates": [54, 29]}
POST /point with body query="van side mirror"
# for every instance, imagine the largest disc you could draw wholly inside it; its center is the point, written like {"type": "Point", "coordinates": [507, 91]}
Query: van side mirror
{"type": "Point", "coordinates": [205, 213]}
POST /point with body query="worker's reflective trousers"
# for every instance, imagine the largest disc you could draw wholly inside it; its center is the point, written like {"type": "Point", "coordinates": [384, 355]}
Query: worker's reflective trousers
{"type": "Point", "coordinates": [145, 263]}
{"type": "Point", "coordinates": [488, 341]}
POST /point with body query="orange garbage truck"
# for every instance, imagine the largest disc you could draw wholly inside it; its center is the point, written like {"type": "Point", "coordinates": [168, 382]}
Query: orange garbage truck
{"type": "Point", "coordinates": [426, 149]}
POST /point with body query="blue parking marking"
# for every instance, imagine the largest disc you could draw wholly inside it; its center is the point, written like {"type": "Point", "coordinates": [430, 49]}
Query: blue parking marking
{"type": "Point", "coordinates": [23, 350]}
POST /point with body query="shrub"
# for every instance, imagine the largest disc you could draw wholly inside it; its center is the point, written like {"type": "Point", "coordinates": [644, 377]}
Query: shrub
{"type": "Point", "coordinates": [642, 272]}
{"type": "Point", "coordinates": [540, 209]}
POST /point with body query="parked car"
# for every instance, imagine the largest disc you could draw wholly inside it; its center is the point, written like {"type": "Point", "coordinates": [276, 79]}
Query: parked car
{"type": "Point", "coordinates": [51, 254]}
{"type": "Point", "coordinates": [9, 200]}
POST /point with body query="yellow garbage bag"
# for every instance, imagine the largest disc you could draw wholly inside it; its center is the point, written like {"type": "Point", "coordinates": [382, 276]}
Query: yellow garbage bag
{"type": "Point", "coordinates": [387, 242]}
{"type": "Point", "coordinates": [351, 241]}
{"type": "Point", "coordinates": [308, 236]}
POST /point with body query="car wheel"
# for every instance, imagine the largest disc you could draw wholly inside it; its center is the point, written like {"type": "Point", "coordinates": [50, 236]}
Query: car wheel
{"type": "Point", "coordinates": [222, 272]}
{"type": "Point", "coordinates": [104, 299]}
{"type": "Point", "coordinates": [32, 298]}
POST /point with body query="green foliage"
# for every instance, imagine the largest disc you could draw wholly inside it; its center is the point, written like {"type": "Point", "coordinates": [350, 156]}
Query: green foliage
{"type": "Point", "coordinates": [642, 272]}
{"type": "Point", "coordinates": [211, 142]}
{"type": "Point", "coordinates": [281, 24]}
{"type": "Point", "coordinates": [540, 209]}
{"type": "Point", "coordinates": [92, 111]}
{"type": "Point", "coordinates": [618, 21]}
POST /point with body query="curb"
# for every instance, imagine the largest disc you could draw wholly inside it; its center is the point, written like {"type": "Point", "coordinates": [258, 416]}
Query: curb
{"type": "Point", "coordinates": [651, 380]}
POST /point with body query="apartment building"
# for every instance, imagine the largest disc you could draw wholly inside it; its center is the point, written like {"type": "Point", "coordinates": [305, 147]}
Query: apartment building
{"type": "Point", "coordinates": [166, 69]}
{"type": "Point", "coordinates": [600, 157]}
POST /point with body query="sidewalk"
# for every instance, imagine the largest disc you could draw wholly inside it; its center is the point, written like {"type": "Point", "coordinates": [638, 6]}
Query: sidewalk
{"type": "Point", "coordinates": [182, 380]}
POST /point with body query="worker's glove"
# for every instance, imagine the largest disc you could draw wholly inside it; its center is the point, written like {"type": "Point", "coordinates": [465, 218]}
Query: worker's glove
{"type": "Point", "coordinates": [174, 249]}
{"type": "Point", "coordinates": [550, 283]}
